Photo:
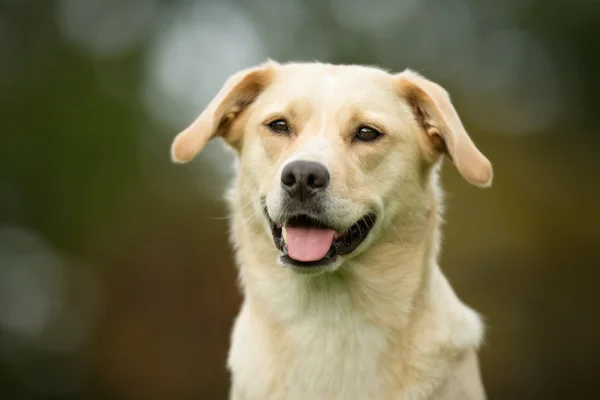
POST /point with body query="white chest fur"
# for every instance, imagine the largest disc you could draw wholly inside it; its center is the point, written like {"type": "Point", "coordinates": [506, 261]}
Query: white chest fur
{"type": "Point", "coordinates": [327, 353]}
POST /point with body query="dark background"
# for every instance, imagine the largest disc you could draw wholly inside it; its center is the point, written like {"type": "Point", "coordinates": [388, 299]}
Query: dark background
{"type": "Point", "coordinates": [116, 279]}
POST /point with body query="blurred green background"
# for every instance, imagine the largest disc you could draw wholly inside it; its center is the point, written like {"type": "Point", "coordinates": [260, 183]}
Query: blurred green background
{"type": "Point", "coordinates": [116, 278]}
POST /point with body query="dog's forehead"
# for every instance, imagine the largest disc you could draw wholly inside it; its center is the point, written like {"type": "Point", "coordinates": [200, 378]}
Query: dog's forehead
{"type": "Point", "coordinates": [334, 84]}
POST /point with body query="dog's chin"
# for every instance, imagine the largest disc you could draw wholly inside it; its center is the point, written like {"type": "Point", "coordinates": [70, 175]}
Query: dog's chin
{"type": "Point", "coordinates": [344, 243]}
{"type": "Point", "coordinates": [326, 264]}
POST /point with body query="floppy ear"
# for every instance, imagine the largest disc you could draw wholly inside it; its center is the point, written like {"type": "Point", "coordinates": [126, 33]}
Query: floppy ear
{"type": "Point", "coordinates": [435, 113]}
{"type": "Point", "coordinates": [240, 90]}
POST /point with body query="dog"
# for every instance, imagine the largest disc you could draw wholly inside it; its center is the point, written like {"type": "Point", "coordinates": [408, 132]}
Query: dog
{"type": "Point", "coordinates": [336, 212]}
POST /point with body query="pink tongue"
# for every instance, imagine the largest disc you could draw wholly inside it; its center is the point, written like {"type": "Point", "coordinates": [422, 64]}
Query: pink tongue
{"type": "Point", "coordinates": [308, 244]}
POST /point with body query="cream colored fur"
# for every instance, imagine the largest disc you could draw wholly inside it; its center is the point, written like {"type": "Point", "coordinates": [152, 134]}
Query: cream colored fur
{"type": "Point", "coordinates": [383, 323]}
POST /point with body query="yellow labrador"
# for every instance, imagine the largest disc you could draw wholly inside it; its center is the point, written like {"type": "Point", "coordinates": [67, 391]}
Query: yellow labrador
{"type": "Point", "coordinates": [335, 221]}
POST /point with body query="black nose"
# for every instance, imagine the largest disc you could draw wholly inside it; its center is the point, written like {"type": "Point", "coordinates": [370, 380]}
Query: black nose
{"type": "Point", "coordinates": [304, 179]}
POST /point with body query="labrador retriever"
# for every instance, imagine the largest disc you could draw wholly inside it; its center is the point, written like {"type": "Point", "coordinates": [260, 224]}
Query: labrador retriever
{"type": "Point", "coordinates": [336, 228]}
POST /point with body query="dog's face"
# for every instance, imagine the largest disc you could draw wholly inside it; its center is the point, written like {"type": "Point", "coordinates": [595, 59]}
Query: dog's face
{"type": "Point", "coordinates": [327, 153]}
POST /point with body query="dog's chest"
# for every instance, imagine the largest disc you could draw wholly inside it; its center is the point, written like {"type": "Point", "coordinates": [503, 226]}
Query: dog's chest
{"type": "Point", "coordinates": [329, 356]}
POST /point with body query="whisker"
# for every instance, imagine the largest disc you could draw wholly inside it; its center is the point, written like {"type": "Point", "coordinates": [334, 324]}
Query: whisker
{"type": "Point", "coordinates": [398, 235]}
{"type": "Point", "coordinates": [359, 223]}
{"type": "Point", "coordinates": [372, 219]}
{"type": "Point", "coordinates": [221, 218]}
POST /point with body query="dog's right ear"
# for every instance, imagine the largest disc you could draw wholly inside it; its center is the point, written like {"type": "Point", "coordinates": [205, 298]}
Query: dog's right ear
{"type": "Point", "coordinates": [240, 90]}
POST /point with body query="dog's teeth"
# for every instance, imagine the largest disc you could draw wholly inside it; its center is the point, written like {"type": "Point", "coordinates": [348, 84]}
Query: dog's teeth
{"type": "Point", "coordinates": [284, 234]}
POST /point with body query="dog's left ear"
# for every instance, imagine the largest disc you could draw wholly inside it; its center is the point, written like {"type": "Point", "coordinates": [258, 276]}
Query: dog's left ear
{"type": "Point", "coordinates": [240, 90]}
{"type": "Point", "coordinates": [435, 113]}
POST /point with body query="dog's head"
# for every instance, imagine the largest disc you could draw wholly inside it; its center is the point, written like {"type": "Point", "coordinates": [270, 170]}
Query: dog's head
{"type": "Point", "coordinates": [328, 153]}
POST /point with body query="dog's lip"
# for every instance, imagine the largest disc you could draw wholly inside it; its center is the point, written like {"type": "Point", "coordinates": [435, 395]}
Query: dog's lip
{"type": "Point", "coordinates": [284, 220]}
{"type": "Point", "coordinates": [345, 241]}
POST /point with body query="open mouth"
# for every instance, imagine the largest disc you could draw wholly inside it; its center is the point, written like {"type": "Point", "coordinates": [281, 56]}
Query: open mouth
{"type": "Point", "coordinates": [307, 242]}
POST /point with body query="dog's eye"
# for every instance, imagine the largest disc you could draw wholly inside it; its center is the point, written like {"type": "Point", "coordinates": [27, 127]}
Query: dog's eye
{"type": "Point", "coordinates": [367, 134]}
{"type": "Point", "coordinates": [279, 126]}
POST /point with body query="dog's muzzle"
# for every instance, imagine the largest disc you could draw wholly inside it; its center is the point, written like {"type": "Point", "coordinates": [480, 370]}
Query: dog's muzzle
{"type": "Point", "coordinates": [304, 234]}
